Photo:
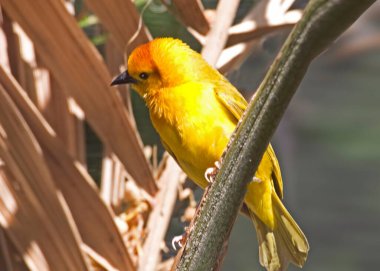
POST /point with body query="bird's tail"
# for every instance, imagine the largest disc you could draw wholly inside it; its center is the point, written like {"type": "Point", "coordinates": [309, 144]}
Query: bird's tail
{"type": "Point", "coordinates": [285, 243]}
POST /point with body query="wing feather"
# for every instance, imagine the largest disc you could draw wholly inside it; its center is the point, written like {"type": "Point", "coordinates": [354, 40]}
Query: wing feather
{"type": "Point", "coordinates": [235, 103]}
{"type": "Point", "coordinates": [231, 98]}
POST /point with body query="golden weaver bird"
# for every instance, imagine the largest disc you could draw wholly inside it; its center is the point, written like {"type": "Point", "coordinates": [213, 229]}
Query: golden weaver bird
{"type": "Point", "coordinates": [195, 110]}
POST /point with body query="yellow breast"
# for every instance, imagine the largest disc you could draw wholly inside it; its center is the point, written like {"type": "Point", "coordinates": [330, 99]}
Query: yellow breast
{"type": "Point", "coordinates": [193, 126]}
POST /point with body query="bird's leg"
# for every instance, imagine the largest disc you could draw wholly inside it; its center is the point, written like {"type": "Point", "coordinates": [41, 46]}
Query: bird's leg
{"type": "Point", "coordinates": [180, 240]}
{"type": "Point", "coordinates": [210, 175]}
{"type": "Point", "coordinates": [211, 172]}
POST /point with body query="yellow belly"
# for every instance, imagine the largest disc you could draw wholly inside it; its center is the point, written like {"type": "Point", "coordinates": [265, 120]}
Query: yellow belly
{"type": "Point", "coordinates": [197, 135]}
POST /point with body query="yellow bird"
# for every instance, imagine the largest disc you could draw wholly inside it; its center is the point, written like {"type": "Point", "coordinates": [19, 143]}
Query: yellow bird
{"type": "Point", "coordinates": [195, 110]}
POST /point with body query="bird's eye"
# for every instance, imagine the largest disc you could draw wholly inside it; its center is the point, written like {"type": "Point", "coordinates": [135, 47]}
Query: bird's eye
{"type": "Point", "coordinates": [143, 75]}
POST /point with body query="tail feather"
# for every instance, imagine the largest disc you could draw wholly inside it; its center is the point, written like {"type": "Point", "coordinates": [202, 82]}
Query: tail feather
{"type": "Point", "coordinates": [285, 243]}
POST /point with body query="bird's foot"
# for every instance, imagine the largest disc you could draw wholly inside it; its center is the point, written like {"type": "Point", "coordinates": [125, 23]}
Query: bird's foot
{"type": "Point", "coordinates": [211, 172]}
{"type": "Point", "coordinates": [179, 240]}
{"type": "Point", "coordinates": [256, 180]}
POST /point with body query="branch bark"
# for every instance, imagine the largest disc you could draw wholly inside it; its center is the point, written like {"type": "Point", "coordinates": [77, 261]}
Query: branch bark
{"type": "Point", "coordinates": [323, 21]}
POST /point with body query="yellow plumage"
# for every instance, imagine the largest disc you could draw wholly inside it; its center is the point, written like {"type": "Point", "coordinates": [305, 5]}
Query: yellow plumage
{"type": "Point", "coordinates": [195, 110]}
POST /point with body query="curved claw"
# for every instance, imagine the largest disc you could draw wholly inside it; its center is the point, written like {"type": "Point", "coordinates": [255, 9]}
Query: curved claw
{"type": "Point", "coordinates": [211, 172]}
{"type": "Point", "coordinates": [178, 240]}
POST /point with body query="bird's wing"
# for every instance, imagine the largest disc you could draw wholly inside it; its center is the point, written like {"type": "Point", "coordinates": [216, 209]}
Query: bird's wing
{"type": "Point", "coordinates": [231, 98]}
{"type": "Point", "coordinates": [235, 103]}
{"type": "Point", "coordinates": [166, 146]}
{"type": "Point", "coordinates": [276, 173]}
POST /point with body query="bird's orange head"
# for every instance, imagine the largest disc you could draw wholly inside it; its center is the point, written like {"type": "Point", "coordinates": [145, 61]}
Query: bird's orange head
{"type": "Point", "coordinates": [164, 63]}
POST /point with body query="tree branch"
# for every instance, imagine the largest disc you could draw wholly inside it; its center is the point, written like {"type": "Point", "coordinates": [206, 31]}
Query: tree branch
{"type": "Point", "coordinates": [323, 21]}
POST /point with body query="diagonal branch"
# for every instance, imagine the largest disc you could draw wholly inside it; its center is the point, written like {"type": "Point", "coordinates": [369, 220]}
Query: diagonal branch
{"type": "Point", "coordinates": [318, 28]}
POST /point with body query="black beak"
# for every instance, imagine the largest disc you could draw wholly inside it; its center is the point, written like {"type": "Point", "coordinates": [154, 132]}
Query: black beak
{"type": "Point", "coordinates": [123, 78]}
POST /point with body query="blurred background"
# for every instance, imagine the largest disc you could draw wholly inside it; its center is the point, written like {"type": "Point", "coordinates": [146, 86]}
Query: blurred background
{"type": "Point", "coordinates": [327, 143]}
